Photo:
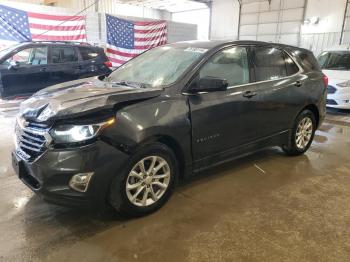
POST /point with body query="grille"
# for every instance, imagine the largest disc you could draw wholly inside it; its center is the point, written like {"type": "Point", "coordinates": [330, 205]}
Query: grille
{"type": "Point", "coordinates": [331, 89]}
{"type": "Point", "coordinates": [331, 102]}
{"type": "Point", "coordinates": [31, 140]}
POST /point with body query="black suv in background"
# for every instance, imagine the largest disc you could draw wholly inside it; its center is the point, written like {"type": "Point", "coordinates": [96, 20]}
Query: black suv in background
{"type": "Point", "coordinates": [30, 66]}
{"type": "Point", "coordinates": [172, 111]}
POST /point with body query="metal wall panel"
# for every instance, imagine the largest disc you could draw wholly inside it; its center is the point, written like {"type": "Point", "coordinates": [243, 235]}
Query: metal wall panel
{"type": "Point", "coordinates": [277, 20]}
{"type": "Point", "coordinates": [267, 29]}
{"type": "Point", "coordinates": [319, 42]}
{"type": "Point", "coordinates": [268, 17]}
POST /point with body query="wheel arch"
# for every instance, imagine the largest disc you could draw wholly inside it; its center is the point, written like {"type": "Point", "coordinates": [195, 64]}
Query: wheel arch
{"type": "Point", "coordinates": [174, 145]}
{"type": "Point", "coordinates": [313, 108]}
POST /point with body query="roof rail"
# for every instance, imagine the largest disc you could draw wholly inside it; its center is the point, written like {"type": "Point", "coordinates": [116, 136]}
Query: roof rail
{"type": "Point", "coordinates": [60, 42]}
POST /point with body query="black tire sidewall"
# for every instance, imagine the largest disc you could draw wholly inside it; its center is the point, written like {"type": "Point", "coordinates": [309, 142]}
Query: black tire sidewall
{"type": "Point", "coordinates": [300, 117]}
{"type": "Point", "coordinates": [117, 194]}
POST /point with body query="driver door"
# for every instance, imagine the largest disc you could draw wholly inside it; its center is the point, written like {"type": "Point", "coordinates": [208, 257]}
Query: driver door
{"type": "Point", "coordinates": [224, 120]}
{"type": "Point", "coordinates": [26, 71]}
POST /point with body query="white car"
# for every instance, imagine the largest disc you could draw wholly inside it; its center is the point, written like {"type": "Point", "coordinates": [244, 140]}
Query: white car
{"type": "Point", "coordinates": [335, 64]}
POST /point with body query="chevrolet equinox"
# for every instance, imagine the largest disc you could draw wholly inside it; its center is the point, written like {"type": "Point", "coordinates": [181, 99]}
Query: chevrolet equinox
{"type": "Point", "coordinates": [125, 139]}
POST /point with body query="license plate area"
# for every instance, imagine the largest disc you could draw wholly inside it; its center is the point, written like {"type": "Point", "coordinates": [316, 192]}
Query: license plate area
{"type": "Point", "coordinates": [23, 174]}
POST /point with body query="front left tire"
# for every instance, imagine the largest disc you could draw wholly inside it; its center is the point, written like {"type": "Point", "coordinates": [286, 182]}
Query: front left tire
{"type": "Point", "coordinates": [146, 183]}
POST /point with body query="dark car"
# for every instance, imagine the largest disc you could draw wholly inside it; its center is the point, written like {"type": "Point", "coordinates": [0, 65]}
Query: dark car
{"type": "Point", "coordinates": [28, 67]}
{"type": "Point", "coordinates": [165, 115]}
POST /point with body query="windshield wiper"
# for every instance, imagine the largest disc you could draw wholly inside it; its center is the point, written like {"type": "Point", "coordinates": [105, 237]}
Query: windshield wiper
{"type": "Point", "coordinates": [128, 83]}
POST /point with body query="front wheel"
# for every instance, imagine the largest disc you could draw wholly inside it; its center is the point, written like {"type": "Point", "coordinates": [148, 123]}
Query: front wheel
{"type": "Point", "coordinates": [302, 134]}
{"type": "Point", "coordinates": [146, 183]}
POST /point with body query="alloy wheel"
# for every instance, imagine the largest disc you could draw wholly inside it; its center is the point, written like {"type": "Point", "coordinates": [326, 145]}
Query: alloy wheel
{"type": "Point", "coordinates": [147, 181]}
{"type": "Point", "coordinates": [304, 133]}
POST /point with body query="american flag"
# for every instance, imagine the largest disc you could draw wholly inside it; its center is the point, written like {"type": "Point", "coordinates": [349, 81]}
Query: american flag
{"type": "Point", "coordinates": [18, 26]}
{"type": "Point", "coordinates": [127, 39]}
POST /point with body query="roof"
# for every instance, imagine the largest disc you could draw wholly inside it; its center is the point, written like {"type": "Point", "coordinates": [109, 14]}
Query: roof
{"type": "Point", "coordinates": [210, 44]}
{"type": "Point", "coordinates": [55, 42]}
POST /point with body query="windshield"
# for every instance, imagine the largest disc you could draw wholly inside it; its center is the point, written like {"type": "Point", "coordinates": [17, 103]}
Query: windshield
{"type": "Point", "coordinates": [157, 67]}
{"type": "Point", "coordinates": [335, 60]}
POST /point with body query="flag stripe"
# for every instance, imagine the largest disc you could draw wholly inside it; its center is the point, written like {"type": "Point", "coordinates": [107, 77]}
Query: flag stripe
{"type": "Point", "coordinates": [120, 53]}
{"type": "Point", "coordinates": [56, 33]}
{"type": "Point", "coordinates": [56, 28]}
{"type": "Point", "coordinates": [148, 39]}
{"type": "Point", "coordinates": [148, 23]}
{"type": "Point", "coordinates": [59, 38]}
{"type": "Point", "coordinates": [55, 22]}
{"type": "Point", "coordinates": [55, 17]}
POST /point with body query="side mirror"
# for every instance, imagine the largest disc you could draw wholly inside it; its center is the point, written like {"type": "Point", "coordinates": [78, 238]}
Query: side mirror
{"type": "Point", "coordinates": [13, 65]}
{"type": "Point", "coordinates": [209, 84]}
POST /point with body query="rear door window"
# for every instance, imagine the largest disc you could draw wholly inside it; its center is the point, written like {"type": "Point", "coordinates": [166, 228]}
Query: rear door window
{"type": "Point", "coordinates": [269, 63]}
{"type": "Point", "coordinates": [64, 55]}
{"type": "Point", "coordinates": [87, 53]}
{"type": "Point", "coordinates": [291, 67]}
{"type": "Point", "coordinates": [230, 64]}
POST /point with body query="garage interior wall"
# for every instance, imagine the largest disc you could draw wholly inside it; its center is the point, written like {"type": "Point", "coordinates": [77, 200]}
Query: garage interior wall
{"type": "Point", "coordinates": [327, 31]}
{"type": "Point", "coordinates": [95, 21]}
{"type": "Point", "coordinates": [224, 20]}
{"type": "Point", "coordinates": [200, 17]}
{"type": "Point", "coordinates": [282, 21]}
{"type": "Point", "coordinates": [272, 21]}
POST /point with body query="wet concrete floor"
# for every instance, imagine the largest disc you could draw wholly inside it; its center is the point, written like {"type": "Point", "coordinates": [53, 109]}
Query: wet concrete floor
{"type": "Point", "coordinates": [265, 207]}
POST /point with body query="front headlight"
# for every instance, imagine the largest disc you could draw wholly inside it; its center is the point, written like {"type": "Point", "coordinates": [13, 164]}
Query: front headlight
{"type": "Point", "coordinates": [78, 133]}
{"type": "Point", "coordinates": [344, 84]}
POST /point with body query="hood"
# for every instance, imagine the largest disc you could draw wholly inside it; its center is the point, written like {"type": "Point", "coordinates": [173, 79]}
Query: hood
{"type": "Point", "coordinates": [80, 97]}
{"type": "Point", "coordinates": [337, 75]}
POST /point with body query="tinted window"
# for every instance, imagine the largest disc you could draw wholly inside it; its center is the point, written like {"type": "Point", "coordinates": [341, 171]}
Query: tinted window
{"type": "Point", "coordinates": [291, 67]}
{"type": "Point", "coordinates": [87, 53]}
{"type": "Point", "coordinates": [39, 56]}
{"type": "Point", "coordinates": [64, 54]}
{"type": "Point", "coordinates": [230, 64]}
{"type": "Point", "coordinates": [335, 60]}
{"type": "Point", "coordinates": [269, 63]}
{"type": "Point", "coordinates": [30, 56]}
{"type": "Point", "coordinates": [308, 60]}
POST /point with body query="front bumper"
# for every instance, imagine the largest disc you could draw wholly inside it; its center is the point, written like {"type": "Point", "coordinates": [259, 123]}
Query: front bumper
{"type": "Point", "coordinates": [340, 99]}
{"type": "Point", "coordinates": [49, 175]}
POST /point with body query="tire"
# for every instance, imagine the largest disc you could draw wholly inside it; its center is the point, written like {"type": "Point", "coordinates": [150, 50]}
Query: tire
{"type": "Point", "coordinates": [298, 146]}
{"type": "Point", "coordinates": [124, 200]}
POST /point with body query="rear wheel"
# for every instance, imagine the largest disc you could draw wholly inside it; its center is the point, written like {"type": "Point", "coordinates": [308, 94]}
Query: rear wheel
{"type": "Point", "coordinates": [302, 134]}
{"type": "Point", "coordinates": [146, 183]}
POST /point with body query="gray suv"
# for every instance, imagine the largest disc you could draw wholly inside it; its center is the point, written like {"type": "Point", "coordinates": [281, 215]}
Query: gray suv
{"type": "Point", "coordinates": [125, 139]}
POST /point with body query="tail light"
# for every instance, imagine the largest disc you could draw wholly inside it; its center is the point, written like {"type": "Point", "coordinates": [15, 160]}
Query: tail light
{"type": "Point", "coordinates": [108, 63]}
{"type": "Point", "coordinates": [325, 81]}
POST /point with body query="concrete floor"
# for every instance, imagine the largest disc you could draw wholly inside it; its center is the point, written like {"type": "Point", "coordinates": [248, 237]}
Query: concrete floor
{"type": "Point", "coordinates": [265, 207]}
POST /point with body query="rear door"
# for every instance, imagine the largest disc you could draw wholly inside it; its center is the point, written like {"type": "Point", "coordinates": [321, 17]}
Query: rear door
{"type": "Point", "coordinates": [223, 120]}
{"type": "Point", "coordinates": [278, 83]}
{"type": "Point", "coordinates": [25, 71]}
{"type": "Point", "coordinates": [92, 61]}
{"type": "Point", "coordinates": [64, 64]}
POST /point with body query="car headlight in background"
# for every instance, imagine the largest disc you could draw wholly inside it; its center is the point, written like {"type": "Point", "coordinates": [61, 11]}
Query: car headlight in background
{"type": "Point", "coordinates": [78, 133]}
{"type": "Point", "coordinates": [344, 84]}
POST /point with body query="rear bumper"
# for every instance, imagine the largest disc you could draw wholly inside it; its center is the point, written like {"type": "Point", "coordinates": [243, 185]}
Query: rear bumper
{"type": "Point", "coordinates": [49, 175]}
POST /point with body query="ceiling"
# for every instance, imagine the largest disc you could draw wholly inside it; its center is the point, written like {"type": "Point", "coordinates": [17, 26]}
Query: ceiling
{"type": "Point", "coordinates": [169, 5]}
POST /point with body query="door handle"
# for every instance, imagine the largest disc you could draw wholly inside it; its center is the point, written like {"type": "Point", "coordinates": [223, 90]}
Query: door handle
{"type": "Point", "coordinates": [79, 67]}
{"type": "Point", "coordinates": [43, 69]}
{"type": "Point", "coordinates": [249, 94]}
{"type": "Point", "coordinates": [298, 83]}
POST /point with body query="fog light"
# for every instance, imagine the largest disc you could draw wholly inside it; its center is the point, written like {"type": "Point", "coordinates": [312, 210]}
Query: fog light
{"type": "Point", "coordinates": [80, 182]}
